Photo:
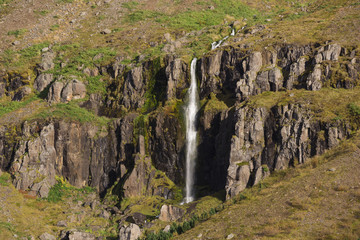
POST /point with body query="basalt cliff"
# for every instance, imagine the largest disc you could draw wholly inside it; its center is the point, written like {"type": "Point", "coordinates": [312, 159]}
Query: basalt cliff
{"type": "Point", "coordinates": [100, 120]}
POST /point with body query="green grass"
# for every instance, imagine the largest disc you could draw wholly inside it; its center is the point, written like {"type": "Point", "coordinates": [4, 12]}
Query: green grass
{"type": "Point", "coordinates": [54, 27]}
{"type": "Point", "coordinates": [24, 59]}
{"type": "Point", "coordinates": [72, 112]}
{"type": "Point", "coordinates": [4, 6]}
{"type": "Point", "coordinates": [10, 106]}
{"type": "Point", "coordinates": [213, 104]}
{"type": "Point", "coordinates": [196, 20]}
{"type": "Point", "coordinates": [17, 33]}
{"type": "Point", "coordinates": [76, 56]}
{"type": "Point", "coordinates": [95, 85]}
{"type": "Point", "coordinates": [140, 15]}
{"type": "Point", "coordinates": [7, 226]}
{"type": "Point", "coordinates": [63, 189]}
{"type": "Point", "coordinates": [2, 2]}
{"type": "Point", "coordinates": [42, 12]}
{"type": "Point", "coordinates": [4, 179]}
{"type": "Point", "coordinates": [327, 104]}
{"type": "Point", "coordinates": [130, 5]}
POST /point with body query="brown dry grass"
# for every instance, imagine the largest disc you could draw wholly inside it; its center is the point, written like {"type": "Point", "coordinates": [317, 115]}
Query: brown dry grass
{"type": "Point", "coordinates": [301, 203]}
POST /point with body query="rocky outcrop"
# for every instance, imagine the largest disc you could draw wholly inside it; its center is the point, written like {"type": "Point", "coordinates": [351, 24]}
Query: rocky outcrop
{"type": "Point", "coordinates": [76, 235]}
{"type": "Point", "coordinates": [44, 79]}
{"type": "Point", "coordinates": [238, 147]}
{"type": "Point", "coordinates": [272, 139]}
{"type": "Point", "coordinates": [65, 92]}
{"type": "Point", "coordinates": [47, 236]}
{"type": "Point", "coordinates": [134, 88]}
{"type": "Point", "coordinates": [34, 164]}
{"type": "Point", "coordinates": [166, 145]}
{"type": "Point", "coordinates": [131, 232]}
{"type": "Point", "coordinates": [15, 85]}
{"type": "Point", "coordinates": [143, 84]}
{"type": "Point", "coordinates": [244, 73]}
{"type": "Point", "coordinates": [88, 155]}
{"type": "Point", "coordinates": [170, 213]}
{"type": "Point", "coordinates": [177, 77]}
{"type": "Point", "coordinates": [82, 154]}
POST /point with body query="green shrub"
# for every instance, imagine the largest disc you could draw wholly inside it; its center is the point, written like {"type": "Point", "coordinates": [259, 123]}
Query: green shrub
{"type": "Point", "coordinates": [63, 189]}
{"type": "Point", "coordinates": [72, 111]}
{"type": "Point", "coordinates": [354, 109]}
{"type": "Point", "coordinates": [4, 179]}
{"type": "Point", "coordinates": [17, 33]}
{"type": "Point", "coordinates": [54, 27]}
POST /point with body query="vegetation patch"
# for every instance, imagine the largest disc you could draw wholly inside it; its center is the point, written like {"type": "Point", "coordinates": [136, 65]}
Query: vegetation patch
{"type": "Point", "coordinates": [4, 179]}
{"type": "Point", "coordinates": [71, 111]}
{"type": "Point", "coordinates": [10, 106]}
{"type": "Point", "coordinates": [62, 189]}
{"type": "Point", "coordinates": [23, 59]}
{"type": "Point", "coordinates": [212, 104]}
{"type": "Point", "coordinates": [17, 33]}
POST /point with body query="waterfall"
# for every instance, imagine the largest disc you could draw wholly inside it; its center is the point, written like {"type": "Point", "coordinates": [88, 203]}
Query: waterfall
{"type": "Point", "coordinates": [191, 134]}
{"type": "Point", "coordinates": [218, 44]}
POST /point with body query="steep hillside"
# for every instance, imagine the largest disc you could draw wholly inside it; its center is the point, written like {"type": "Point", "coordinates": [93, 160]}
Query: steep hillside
{"type": "Point", "coordinates": [92, 113]}
{"type": "Point", "coordinates": [317, 201]}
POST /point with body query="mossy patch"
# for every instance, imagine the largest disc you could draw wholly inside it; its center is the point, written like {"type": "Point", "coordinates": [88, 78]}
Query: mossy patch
{"type": "Point", "coordinates": [72, 112]}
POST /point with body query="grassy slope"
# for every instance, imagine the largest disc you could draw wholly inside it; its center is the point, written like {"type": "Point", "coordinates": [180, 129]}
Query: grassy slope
{"type": "Point", "coordinates": [309, 202]}
{"type": "Point", "coordinates": [24, 216]}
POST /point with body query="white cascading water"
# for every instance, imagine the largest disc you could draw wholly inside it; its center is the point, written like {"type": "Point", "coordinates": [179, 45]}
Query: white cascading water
{"type": "Point", "coordinates": [191, 134]}
{"type": "Point", "coordinates": [218, 44]}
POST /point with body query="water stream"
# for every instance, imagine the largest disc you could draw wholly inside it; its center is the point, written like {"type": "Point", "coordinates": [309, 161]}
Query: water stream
{"type": "Point", "coordinates": [218, 43]}
{"type": "Point", "coordinates": [191, 110]}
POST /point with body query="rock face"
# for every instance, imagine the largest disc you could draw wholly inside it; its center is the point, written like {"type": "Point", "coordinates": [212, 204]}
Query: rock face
{"type": "Point", "coordinates": [71, 150]}
{"type": "Point", "coordinates": [131, 232]}
{"type": "Point", "coordinates": [167, 145]}
{"type": "Point", "coordinates": [44, 79]}
{"type": "Point", "coordinates": [65, 92]}
{"type": "Point", "coordinates": [245, 73]}
{"type": "Point", "coordinates": [15, 85]}
{"type": "Point", "coordinates": [265, 140]}
{"type": "Point", "coordinates": [170, 213]}
{"type": "Point", "coordinates": [177, 77]}
{"type": "Point", "coordinates": [238, 147]}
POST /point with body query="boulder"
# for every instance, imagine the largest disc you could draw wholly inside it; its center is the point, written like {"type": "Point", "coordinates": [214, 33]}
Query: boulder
{"type": "Point", "coordinates": [54, 95]}
{"type": "Point", "coordinates": [167, 228]}
{"type": "Point", "coordinates": [238, 179]}
{"type": "Point", "coordinates": [73, 90]}
{"type": "Point", "coordinates": [76, 235]}
{"type": "Point", "coordinates": [47, 61]}
{"type": "Point", "coordinates": [169, 213]}
{"type": "Point", "coordinates": [328, 53]}
{"type": "Point", "coordinates": [21, 93]}
{"type": "Point", "coordinates": [131, 232]}
{"type": "Point", "coordinates": [105, 214]}
{"type": "Point", "coordinates": [47, 236]}
{"type": "Point", "coordinates": [106, 31]}
{"type": "Point", "coordinates": [42, 81]}
{"type": "Point", "coordinates": [137, 218]}
{"type": "Point", "coordinates": [61, 223]}
{"type": "Point", "coordinates": [313, 82]}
